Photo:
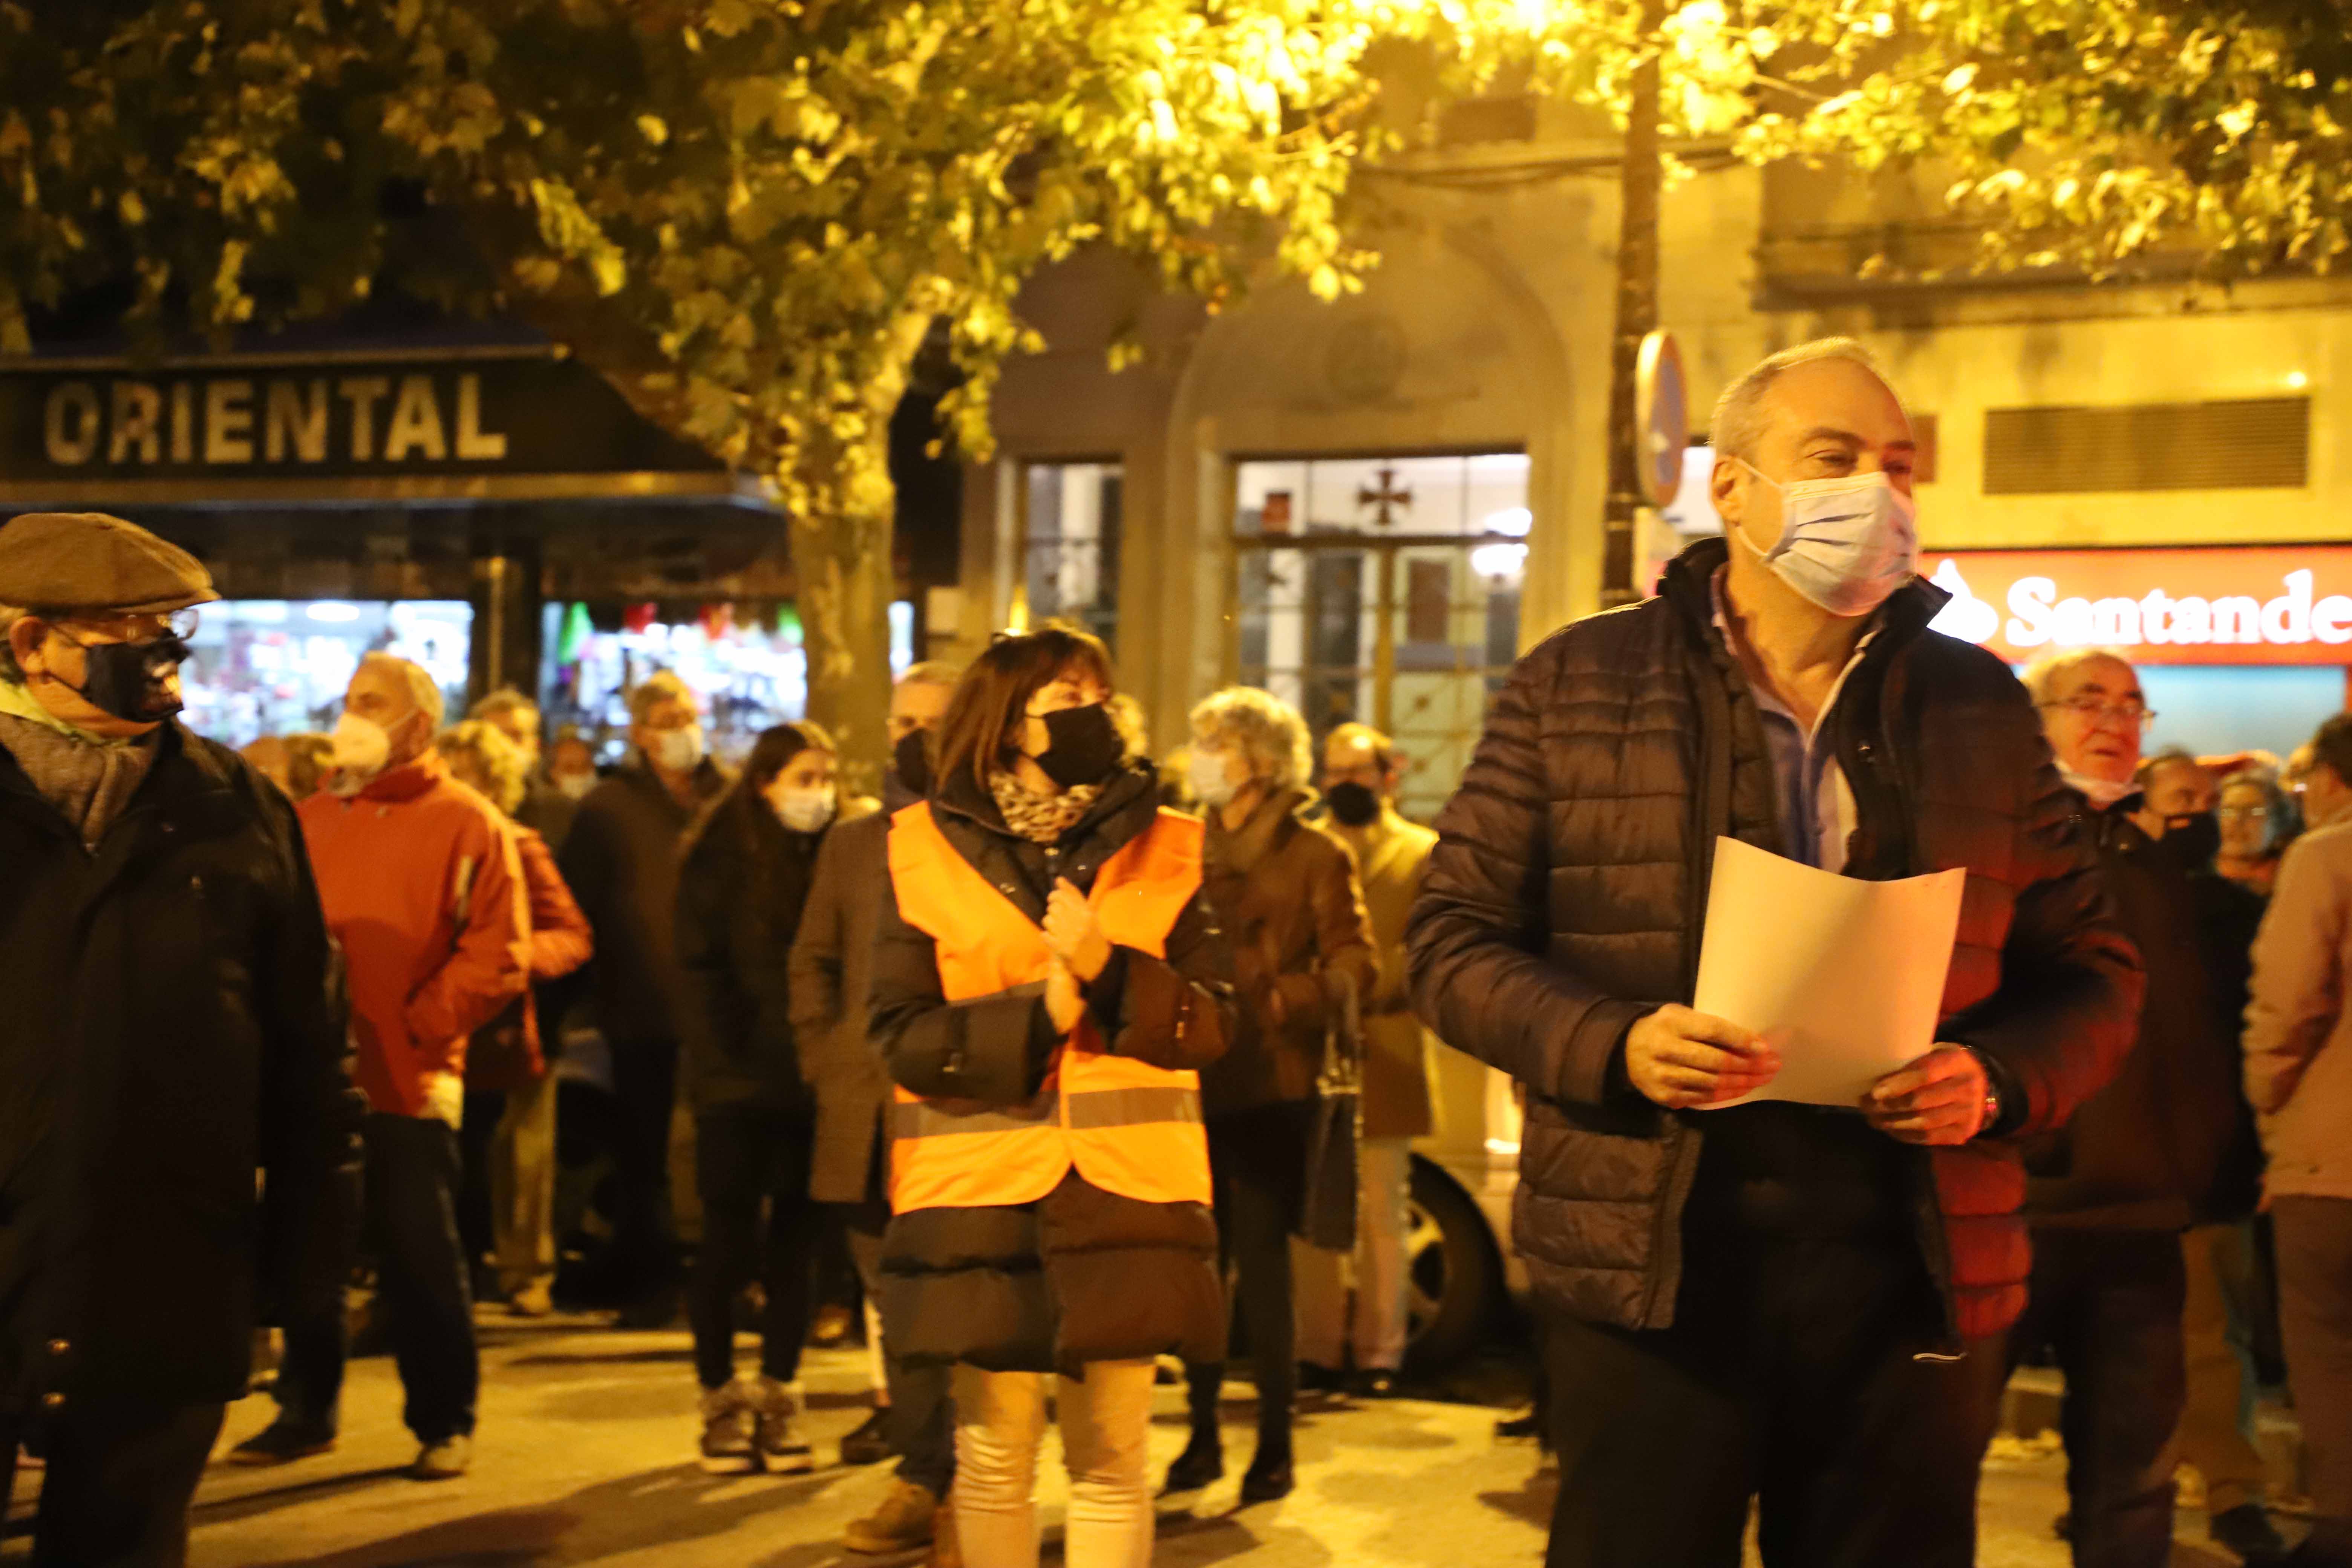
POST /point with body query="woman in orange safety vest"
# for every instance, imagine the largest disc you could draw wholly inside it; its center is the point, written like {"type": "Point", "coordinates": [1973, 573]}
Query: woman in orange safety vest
{"type": "Point", "coordinates": [1047, 982]}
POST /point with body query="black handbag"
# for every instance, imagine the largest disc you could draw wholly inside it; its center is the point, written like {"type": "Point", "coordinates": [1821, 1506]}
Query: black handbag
{"type": "Point", "coordinates": [1327, 1214]}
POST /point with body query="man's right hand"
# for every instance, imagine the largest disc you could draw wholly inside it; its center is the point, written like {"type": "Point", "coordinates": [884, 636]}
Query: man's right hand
{"type": "Point", "coordinates": [1680, 1058]}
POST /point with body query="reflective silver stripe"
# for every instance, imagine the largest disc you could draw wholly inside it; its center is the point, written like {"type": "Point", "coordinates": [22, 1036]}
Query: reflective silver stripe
{"type": "Point", "coordinates": [926, 1119]}
{"type": "Point", "coordinates": [1131, 1107]}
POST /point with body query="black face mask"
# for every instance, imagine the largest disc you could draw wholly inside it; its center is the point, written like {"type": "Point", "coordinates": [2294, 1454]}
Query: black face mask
{"type": "Point", "coordinates": [1082, 746]}
{"type": "Point", "coordinates": [2191, 840]}
{"type": "Point", "coordinates": [130, 681]}
{"type": "Point", "coordinates": [911, 761]}
{"type": "Point", "coordinates": [1352, 804]}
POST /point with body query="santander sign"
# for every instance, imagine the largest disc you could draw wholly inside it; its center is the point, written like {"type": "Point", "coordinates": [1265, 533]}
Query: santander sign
{"type": "Point", "coordinates": [2288, 604]}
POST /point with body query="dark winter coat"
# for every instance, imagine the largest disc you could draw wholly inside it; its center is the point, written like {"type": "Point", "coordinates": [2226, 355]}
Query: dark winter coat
{"type": "Point", "coordinates": [831, 981]}
{"type": "Point", "coordinates": [2170, 1142]}
{"type": "Point", "coordinates": [175, 1024]}
{"type": "Point", "coordinates": [1566, 900]}
{"type": "Point", "coordinates": [621, 861]}
{"type": "Point", "coordinates": [739, 897]}
{"type": "Point", "coordinates": [1082, 1275]}
{"type": "Point", "coordinates": [1287, 894]}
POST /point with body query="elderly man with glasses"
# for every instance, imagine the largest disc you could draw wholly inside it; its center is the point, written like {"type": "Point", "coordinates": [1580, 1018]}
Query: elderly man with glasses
{"type": "Point", "coordinates": [2162, 1149]}
{"type": "Point", "coordinates": [179, 1127]}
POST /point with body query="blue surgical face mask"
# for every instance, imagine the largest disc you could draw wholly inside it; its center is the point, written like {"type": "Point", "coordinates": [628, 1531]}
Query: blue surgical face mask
{"type": "Point", "coordinates": [1846, 545]}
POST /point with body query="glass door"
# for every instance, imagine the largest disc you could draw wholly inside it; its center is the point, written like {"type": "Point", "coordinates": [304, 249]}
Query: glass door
{"type": "Point", "coordinates": [1384, 589]}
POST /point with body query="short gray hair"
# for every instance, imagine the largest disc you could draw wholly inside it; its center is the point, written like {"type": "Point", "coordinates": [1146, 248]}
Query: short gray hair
{"type": "Point", "coordinates": [423, 692]}
{"type": "Point", "coordinates": [662, 686]}
{"type": "Point", "coordinates": [1739, 412]}
{"type": "Point", "coordinates": [2042, 674]}
{"type": "Point", "coordinates": [1268, 730]}
{"type": "Point", "coordinates": [506, 699]}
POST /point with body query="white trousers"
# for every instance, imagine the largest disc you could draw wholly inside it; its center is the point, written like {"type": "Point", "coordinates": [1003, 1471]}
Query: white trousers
{"type": "Point", "coordinates": [1106, 1433]}
{"type": "Point", "coordinates": [1377, 1326]}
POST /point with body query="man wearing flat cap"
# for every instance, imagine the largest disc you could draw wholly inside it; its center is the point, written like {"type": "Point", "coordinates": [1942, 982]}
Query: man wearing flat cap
{"type": "Point", "coordinates": [178, 1121]}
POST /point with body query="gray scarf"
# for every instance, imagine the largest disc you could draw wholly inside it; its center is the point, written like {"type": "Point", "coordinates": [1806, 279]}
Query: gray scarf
{"type": "Point", "coordinates": [90, 784]}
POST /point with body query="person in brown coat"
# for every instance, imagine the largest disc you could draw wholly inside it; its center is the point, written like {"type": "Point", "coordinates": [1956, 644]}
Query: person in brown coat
{"type": "Point", "coordinates": [1287, 895]}
{"type": "Point", "coordinates": [1361, 770]}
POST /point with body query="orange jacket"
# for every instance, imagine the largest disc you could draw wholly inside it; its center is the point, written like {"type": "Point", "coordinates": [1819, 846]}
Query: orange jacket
{"type": "Point", "coordinates": [1126, 1126]}
{"type": "Point", "coordinates": [424, 889]}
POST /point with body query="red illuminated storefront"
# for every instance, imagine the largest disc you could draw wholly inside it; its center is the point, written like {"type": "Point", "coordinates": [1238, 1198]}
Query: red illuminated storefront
{"type": "Point", "coordinates": [2239, 648]}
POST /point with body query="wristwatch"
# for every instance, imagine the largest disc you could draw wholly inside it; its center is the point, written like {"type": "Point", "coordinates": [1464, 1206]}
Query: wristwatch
{"type": "Point", "coordinates": [1992, 1093]}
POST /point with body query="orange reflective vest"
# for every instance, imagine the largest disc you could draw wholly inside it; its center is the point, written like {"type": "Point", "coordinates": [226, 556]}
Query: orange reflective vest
{"type": "Point", "coordinates": [1127, 1127]}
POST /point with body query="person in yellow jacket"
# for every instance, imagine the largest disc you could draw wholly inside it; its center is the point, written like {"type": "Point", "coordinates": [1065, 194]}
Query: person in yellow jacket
{"type": "Point", "coordinates": [1047, 982]}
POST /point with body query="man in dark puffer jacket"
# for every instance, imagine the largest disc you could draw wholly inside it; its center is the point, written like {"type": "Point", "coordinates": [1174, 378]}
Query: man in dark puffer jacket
{"type": "Point", "coordinates": [1774, 1300]}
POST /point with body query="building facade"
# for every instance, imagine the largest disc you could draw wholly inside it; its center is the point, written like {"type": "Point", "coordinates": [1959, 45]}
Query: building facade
{"type": "Point", "coordinates": [1370, 505]}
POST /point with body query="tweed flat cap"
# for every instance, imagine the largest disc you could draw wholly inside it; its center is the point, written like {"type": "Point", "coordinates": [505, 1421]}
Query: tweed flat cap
{"type": "Point", "coordinates": [87, 561]}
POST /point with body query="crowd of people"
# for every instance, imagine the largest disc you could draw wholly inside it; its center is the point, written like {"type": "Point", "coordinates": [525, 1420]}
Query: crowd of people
{"type": "Point", "coordinates": [1046, 1045]}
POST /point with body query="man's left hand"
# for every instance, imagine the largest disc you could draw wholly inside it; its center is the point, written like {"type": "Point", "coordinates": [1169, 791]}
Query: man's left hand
{"type": "Point", "coordinates": [1938, 1099]}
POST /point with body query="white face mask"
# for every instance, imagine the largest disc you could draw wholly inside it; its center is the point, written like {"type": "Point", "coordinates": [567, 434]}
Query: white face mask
{"type": "Point", "coordinates": [678, 751]}
{"type": "Point", "coordinates": [1845, 544]}
{"type": "Point", "coordinates": [803, 810]}
{"type": "Point", "coordinates": [1210, 783]}
{"type": "Point", "coordinates": [361, 746]}
{"type": "Point", "coordinates": [577, 785]}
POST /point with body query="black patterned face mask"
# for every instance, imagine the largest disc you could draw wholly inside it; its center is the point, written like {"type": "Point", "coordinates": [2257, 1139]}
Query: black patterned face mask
{"type": "Point", "coordinates": [138, 681]}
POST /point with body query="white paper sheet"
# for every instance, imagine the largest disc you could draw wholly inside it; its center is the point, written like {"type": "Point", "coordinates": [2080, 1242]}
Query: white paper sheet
{"type": "Point", "coordinates": [1846, 976]}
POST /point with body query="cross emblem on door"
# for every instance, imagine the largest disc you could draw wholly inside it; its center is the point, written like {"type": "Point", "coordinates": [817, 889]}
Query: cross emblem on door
{"type": "Point", "coordinates": [1387, 496]}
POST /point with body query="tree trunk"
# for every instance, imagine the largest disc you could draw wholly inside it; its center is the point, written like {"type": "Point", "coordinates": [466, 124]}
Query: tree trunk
{"type": "Point", "coordinates": [842, 559]}
{"type": "Point", "coordinates": [1637, 315]}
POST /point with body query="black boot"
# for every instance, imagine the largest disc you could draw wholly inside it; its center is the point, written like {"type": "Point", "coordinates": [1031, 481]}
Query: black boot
{"type": "Point", "coordinates": [1269, 1476]}
{"type": "Point", "coordinates": [1202, 1462]}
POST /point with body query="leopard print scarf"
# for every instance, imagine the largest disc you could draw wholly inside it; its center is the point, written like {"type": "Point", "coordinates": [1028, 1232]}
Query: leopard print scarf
{"type": "Point", "coordinates": [1040, 818]}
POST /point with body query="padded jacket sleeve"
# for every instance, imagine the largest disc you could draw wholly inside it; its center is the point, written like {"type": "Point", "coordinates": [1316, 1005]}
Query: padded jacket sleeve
{"type": "Point", "coordinates": [1474, 946]}
{"type": "Point", "coordinates": [992, 1048]}
{"type": "Point", "coordinates": [1174, 1012]}
{"type": "Point", "coordinates": [2067, 1012]}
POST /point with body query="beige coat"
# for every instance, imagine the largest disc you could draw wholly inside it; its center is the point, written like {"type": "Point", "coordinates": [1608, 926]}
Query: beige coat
{"type": "Point", "coordinates": [1390, 854]}
{"type": "Point", "coordinates": [2298, 1026]}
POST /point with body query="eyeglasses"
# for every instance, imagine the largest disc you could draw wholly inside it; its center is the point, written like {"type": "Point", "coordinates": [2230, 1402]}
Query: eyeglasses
{"type": "Point", "coordinates": [2245, 813]}
{"type": "Point", "coordinates": [180, 624]}
{"type": "Point", "coordinates": [2092, 710]}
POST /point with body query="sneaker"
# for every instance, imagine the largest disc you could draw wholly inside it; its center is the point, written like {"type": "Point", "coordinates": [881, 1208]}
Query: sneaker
{"type": "Point", "coordinates": [2247, 1531]}
{"type": "Point", "coordinates": [870, 1443]}
{"type": "Point", "coordinates": [781, 1446]}
{"type": "Point", "coordinates": [281, 1443]}
{"type": "Point", "coordinates": [730, 1430]}
{"type": "Point", "coordinates": [445, 1460]}
{"type": "Point", "coordinates": [907, 1520]}
{"type": "Point", "coordinates": [536, 1299]}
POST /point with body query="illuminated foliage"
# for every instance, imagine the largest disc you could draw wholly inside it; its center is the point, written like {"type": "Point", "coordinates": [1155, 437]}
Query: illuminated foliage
{"type": "Point", "coordinates": [749, 214]}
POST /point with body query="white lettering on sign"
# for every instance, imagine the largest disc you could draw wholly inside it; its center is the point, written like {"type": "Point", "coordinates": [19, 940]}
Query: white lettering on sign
{"type": "Point", "coordinates": [234, 421]}
{"type": "Point", "coordinates": [2037, 617]}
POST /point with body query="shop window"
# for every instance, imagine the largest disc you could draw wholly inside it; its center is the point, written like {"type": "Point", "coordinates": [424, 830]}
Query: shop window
{"type": "Point", "coordinates": [1071, 545]}
{"type": "Point", "coordinates": [746, 661]}
{"type": "Point", "coordinates": [279, 667]}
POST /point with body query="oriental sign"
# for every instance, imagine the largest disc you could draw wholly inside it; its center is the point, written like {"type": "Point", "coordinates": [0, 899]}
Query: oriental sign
{"type": "Point", "coordinates": [2284, 604]}
{"type": "Point", "coordinates": [495, 424]}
